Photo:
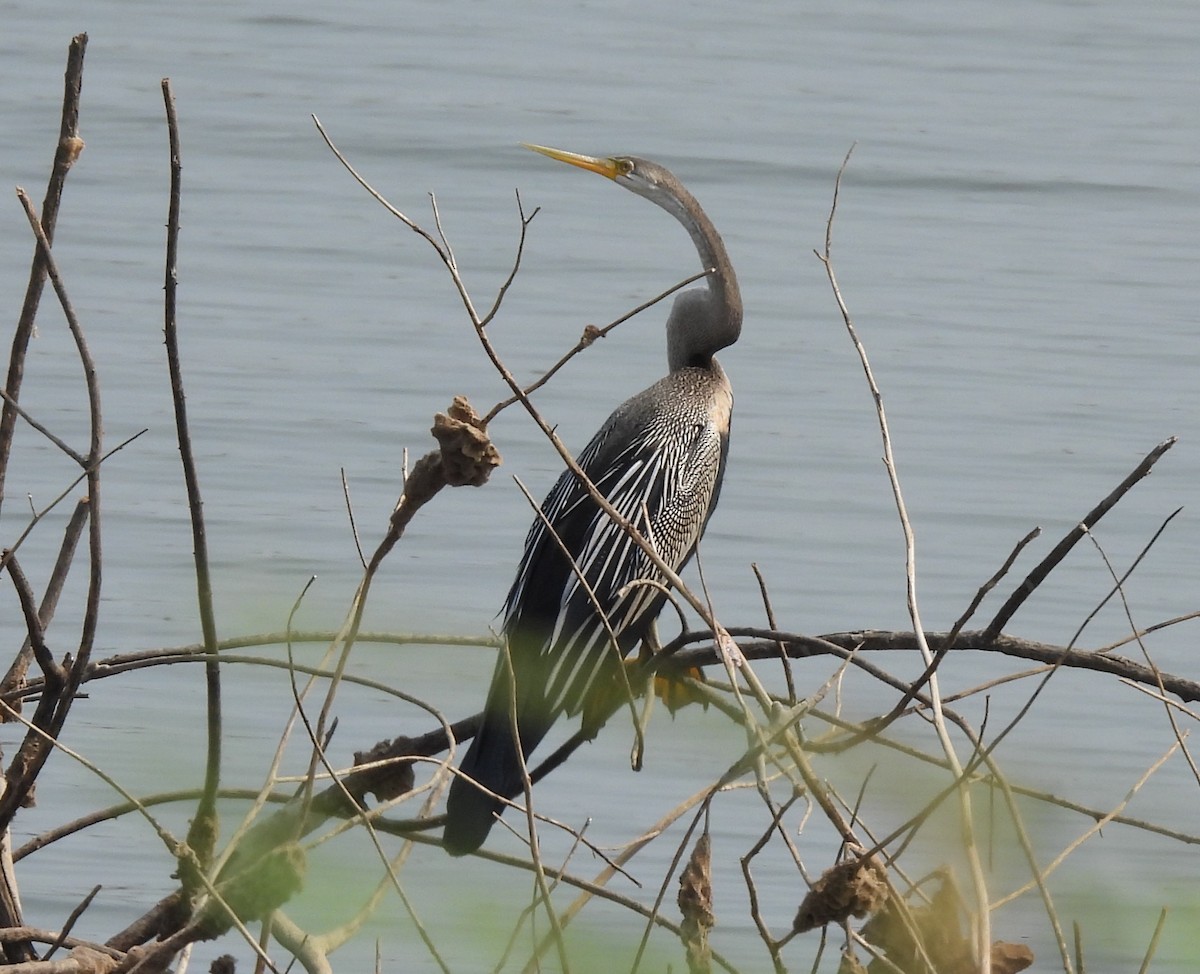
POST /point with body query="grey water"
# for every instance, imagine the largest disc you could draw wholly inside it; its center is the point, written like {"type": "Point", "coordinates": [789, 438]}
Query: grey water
{"type": "Point", "coordinates": [1017, 238]}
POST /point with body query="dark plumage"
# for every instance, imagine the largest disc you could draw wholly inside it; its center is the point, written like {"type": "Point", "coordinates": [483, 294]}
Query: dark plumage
{"type": "Point", "coordinates": [659, 460]}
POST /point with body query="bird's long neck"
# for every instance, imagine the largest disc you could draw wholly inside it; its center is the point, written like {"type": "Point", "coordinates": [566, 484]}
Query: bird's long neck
{"type": "Point", "coordinates": [703, 321]}
{"type": "Point", "coordinates": [722, 281]}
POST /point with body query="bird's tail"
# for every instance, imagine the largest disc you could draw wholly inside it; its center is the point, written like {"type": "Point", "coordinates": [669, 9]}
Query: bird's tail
{"type": "Point", "coordinates": [493, 763]}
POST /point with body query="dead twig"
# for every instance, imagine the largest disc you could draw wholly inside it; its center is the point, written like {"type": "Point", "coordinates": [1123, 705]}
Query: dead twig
{"type": "Point", "coordinates": [202, 835]}
{"type": "Point", "coordinates": [1060, 550]}
{"type": "Point", "coordinates": [69, 147]}
{"type": "Point", "coordinates": [15, 677]}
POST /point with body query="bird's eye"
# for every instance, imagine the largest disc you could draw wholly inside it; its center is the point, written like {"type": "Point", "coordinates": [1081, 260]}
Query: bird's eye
{"type": "Point", "coordinates": [626, 166]}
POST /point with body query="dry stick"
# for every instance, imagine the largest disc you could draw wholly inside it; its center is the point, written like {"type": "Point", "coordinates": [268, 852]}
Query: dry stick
{"type": "Point", "coordinates": [1025, 708]}
{"type": "Point", "coordinates": [1118, 582]}
{"type": "Point", "coordinates": [350, 515]}
{"type": "Point", "coordinates": [844, 644]}
{"type": "Point", "coordinates": [93, 455]}
{"type": "Point", "coordinates": [1163, 698]}
{"type": "Point", "coordinates": [773, 946]}
{"type": "Point", "coordinates": [10, 934]}
{"type": "Point", "coordinates": [783, 656]}
{"type": "Point", "coordinates": [52, 709]}
{"type": "Point", "coordinates": [307, 954]}
{"type": "Point", "coordinates": [588, 338]}
{"type": "Point", "coordinates": [69, 147]}
{"type": "Point", "coordinates": [57, 441]}
{"type": "Point", "coordinates": [593, 889]}
{"type": "Point", "coordinates": [755, 644]}
{"type": "Point", "coordinates": [983, 933]}
{"type": "Point", "coordinates": [1027, 846]}
{"type": "Point", "coordinates": [444, 254]}
{"type": "Point", "coordinates": [797, 645]}
{"type": "Point", "coordinates": [202, 835]}
{"type": "Point", "coordinates": [72, 919]}
{"type": "Point", "coordinates": [983, 755]}
{"type": "Point", "coordinates": [298, 712]}
{"type": "Point", "coordinates": [1153, 946]}
{"type": "Point", "coordinates": [1133, 637]}
{"type": "Point", "coordinates": [1119, 586]}
{"type": "Point", "coordinates": [54, 674]}
{"type": "Point", "coordinates": [680, 849]}
{"type": "Point", "coordinates": [1024, 791]}
{"type": "Point", "coordinates": [652, 914]}
{"type": "Point", "coordinates": [1039, 573]}
{"type": "Point", "coordinates": [528, 914]}
{"type": "Point", "coordinates": [58, 576]}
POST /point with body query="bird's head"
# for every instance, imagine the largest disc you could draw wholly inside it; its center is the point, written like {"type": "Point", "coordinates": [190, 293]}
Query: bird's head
{"type": "Point", "coordinates": [640, 176]}
{"type": "Point", "coordinates": [705, 319]}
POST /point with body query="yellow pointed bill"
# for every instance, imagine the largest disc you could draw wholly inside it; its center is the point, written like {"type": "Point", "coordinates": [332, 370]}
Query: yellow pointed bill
{"type": "Point", "coordinates": [605, 167]}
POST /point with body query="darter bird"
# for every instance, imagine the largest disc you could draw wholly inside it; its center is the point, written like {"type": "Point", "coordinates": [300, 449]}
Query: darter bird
{"type": "Point", "coordinates": [659, 460]}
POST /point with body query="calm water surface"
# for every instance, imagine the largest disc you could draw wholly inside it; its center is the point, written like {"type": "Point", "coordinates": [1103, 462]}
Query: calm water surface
{"type": "Point", "coordinates": [1018, 238]}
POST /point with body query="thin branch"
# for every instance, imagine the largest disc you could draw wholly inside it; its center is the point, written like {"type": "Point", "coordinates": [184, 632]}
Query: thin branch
{"type": "Point", "coordinates": [1152, 948]}
{"type": "Point", "coordinates": [502, 291]}
{"type": "Point", "coordinates": [350, 515]}
{"type": "Point", "coordinates": [15, 677]}
{"type": "Point", "coordinates": [69, 147]}
{"type": "Point", "coordinates": [380, 198]}
{"type": "Point", "coordinates": [54, 675]}
{"type": "Point", "coordinates": [783, 656]}
{"type": "Point", "coordinates": [966, 818]}
{"type": "Point", "coordinates": [65, 447]}
{"type": "Point", "coordinates": [1047, 564]}
{"type": "Point", "coordinates": [589, 337]}
{"type": "Point", "coordinates": [62, 495]}
{"type": "Point", "coordinates": [1093, 829]}
{"type": "Point", "coordinates": [203, 832]}
{"type": "Point", "coordinates": [1119, 585]}
{"type": "Point", "coordinates": [1117, 589]}
{"type": "Point", "coordinates": [72, 919]}
{"type": "Point", "coordinates": [85, 355]}
{"type": "Point", "coordinates": [52, 710]}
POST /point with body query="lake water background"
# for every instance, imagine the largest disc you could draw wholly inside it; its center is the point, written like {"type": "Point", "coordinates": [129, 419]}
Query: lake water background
{"type": "Point", "coordinates": [1018, 240]}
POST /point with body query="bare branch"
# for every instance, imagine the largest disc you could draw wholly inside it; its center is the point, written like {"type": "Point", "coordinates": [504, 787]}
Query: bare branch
{"type": "Point", "coordinates": [69, 147]}
{"type": "Point", "coordinates": [590, 334]}
{"type": "Point", "coordinates": [203, 833]}
{"type": "Point", "coordinates": [1047, 564]}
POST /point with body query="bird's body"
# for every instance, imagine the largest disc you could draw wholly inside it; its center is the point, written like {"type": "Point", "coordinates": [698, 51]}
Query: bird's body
{"type": "Point", "coordinates": [586, 593]}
